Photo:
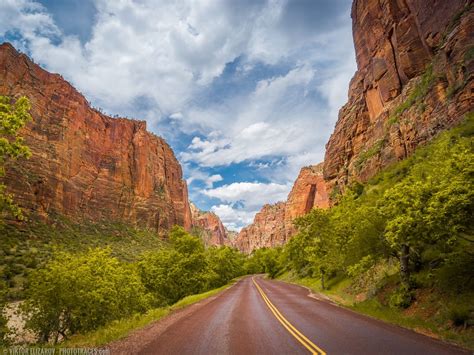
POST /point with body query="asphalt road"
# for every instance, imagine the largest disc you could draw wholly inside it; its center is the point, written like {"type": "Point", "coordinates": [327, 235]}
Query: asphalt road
{"type": "Point", "coordinates": [259, 316]}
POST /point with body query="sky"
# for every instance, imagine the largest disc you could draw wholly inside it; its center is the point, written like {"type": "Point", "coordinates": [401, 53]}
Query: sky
{"type": "Point", "coordinates": [246, 92]}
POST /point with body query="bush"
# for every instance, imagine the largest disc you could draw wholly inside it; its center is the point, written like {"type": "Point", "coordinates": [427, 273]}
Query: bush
{"type": "Point", "coordinates": [172, 273]}
{"type": "Point", "coordinates": [225, 263]}
{"type": "Point", "coordinates": [76, 293]}
{"type": "Point", "coordinates": [264, 260]}
{"type": "Point", "coordinates": [459, 315]}
{"type": "Point", "coordinates": [402, 297]}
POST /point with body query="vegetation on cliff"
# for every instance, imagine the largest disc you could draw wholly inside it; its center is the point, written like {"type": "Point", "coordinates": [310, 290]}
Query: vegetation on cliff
{"type": "Point", "coordinates": [14, 114]}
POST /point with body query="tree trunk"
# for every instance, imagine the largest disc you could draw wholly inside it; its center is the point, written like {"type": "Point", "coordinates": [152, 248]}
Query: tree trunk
{"type": "Point", "coordinates": [322, 280]}
{"type": "Point", "coordinates": [404, 267]}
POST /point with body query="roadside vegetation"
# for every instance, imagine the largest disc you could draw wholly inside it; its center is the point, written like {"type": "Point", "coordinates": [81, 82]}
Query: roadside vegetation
{"type": "Point", "coordinates": [78, 293]}
{"type": "Point", "coordinates": [119, 329]}
{"type": "Point", "coordinates": [399, 247]}
{"type": "Point", "coordinates": [81, 278]}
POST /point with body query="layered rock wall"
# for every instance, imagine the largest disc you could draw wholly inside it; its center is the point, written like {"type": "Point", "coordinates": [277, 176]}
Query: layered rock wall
{"type": "Point", "coordinates": [273, 225]}
{"type": "Point", "coordinates": [209, 227]}
{"type": "Point", "coordinates": [414, 79]}
{"type": "Point", "coordinates": [86, 164]}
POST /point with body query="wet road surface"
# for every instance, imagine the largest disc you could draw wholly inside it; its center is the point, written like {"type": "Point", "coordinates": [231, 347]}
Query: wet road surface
{"type": "Point", "coordinates": [260, 316]}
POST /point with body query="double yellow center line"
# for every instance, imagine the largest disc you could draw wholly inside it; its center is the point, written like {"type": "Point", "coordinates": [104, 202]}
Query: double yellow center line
{"type": "Point", "coordinates": [308, 344]}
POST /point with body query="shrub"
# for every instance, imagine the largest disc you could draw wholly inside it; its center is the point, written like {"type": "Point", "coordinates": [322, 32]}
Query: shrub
{"type": "Point", "coordinates": [172, 273]}
{"type": "Point", "coordinates": [75, 293]}
{"type": "Point", "coordinates": [402, 297]}
{"type": "Point", "coordinates": [459, 315]}
{"type": "Point", "coordinates": [225, 263]}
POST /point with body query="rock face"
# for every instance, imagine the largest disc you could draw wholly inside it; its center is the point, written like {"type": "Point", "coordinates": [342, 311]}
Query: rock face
{"type": "Point", "coordinates": [273, 225]}
{"type": "Point", "coordinates": [86, 164]}
{"type": "Point", "coordinates": [210, 227]}
{"type": "Point", "coordinates": [414, 79]}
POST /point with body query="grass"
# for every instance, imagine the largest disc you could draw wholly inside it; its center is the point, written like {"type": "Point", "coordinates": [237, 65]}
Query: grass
{"type": "Point", "coordinates": [438, 325]}
{"type": "Point", "coordinates": [122, 328]}
{"type": "Point", "coordinates": [335, 287]}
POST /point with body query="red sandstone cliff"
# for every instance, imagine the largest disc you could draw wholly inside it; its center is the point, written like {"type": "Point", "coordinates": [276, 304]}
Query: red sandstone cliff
{"type": "Point", "coordinates": [273, 225]}
{"type": "Point", "coordinates": [86, 164]}
{"type": "Point", "coordinates": [209, 226]}
{"type": "Point", "coordinates": [414, 79]}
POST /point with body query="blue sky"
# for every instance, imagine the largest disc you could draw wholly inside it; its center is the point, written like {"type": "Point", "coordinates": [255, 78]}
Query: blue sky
{"type": "Point", "coordinates": [246, 92]}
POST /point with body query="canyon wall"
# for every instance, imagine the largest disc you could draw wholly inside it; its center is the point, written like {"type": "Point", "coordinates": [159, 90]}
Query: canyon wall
{"type": "Point", "coordinates": [209, 226]}
{"type": "Point", "coordinates": [273, 225]}
{"type": "Point", "coordinates": [87, 165]}
{"type": "Point", "coordinates": [414, 79]}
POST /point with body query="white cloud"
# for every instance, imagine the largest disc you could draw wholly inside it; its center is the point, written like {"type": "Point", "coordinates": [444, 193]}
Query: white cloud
{"type": "Point", "coordinates": [250, 194]}
{"type": "Point", "coordinates": [233, 218]}
{"type": "Point", "coordinates": [278, 118]}
{"type": "Point", "coordinates": [199, 175]}
{"type": "Point", "coordinates": [241, 200]}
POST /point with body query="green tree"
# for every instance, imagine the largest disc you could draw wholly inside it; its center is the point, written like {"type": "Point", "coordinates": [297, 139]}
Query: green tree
{"type": "Point", "coordinates": [13, 116]}
{"type": "Point", "coordinates": [180, 270]}
{"type": "Point", "coordinates": [264, 260]}
{"type": "Point", "coordinates": [225, 263]}
{"type": "Point", "coordinates": [80, 292]}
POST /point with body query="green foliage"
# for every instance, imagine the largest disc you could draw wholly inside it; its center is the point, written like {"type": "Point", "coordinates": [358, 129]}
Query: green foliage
{"type": "Point", "coordinates": [416, 95]}
{"type": "Point", "coordinates": [172, 273]}
{"type": "Point", "coordinates": [402, 297]}
{"type": "Point", "coordinates": [186, 268]}
{"type": "Point", "coordinates": [264, 260]}
{"type": "Point", "coordinates": [13, 116]}
{"type": "Point", "coordinates": [419, 210]}
{"type": "Point", "coordinates": [459, 314]}
{"type": "Point", "coordinates": [225, 263]}
{"type": "Point", "coordinates": [77, 293]}
{"type": "Point", "coordinates": [29, 246]}
{"type": "Point", "coordinates": [375, 149]}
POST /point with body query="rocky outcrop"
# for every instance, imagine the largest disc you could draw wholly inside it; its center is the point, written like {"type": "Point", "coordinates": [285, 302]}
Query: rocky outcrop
{"type": "Point", "coordinates": [273, 225]}
{"type": "Point", "coordinates": [209, 227]}
{"type": "Point", "coordinates": [87, 165]}
{"type": "Point", "coordinates": [414, 79]}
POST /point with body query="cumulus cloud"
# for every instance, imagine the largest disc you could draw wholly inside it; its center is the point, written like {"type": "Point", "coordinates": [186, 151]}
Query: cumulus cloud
{"type": "Point", "coordinates": [233, 218]}
{"type": "Point", "coordinates": [250, 193]}
{"type": "Point", "coordinates": [199, 175]}
{"type": "Point", "coordinates": [278, 118]}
